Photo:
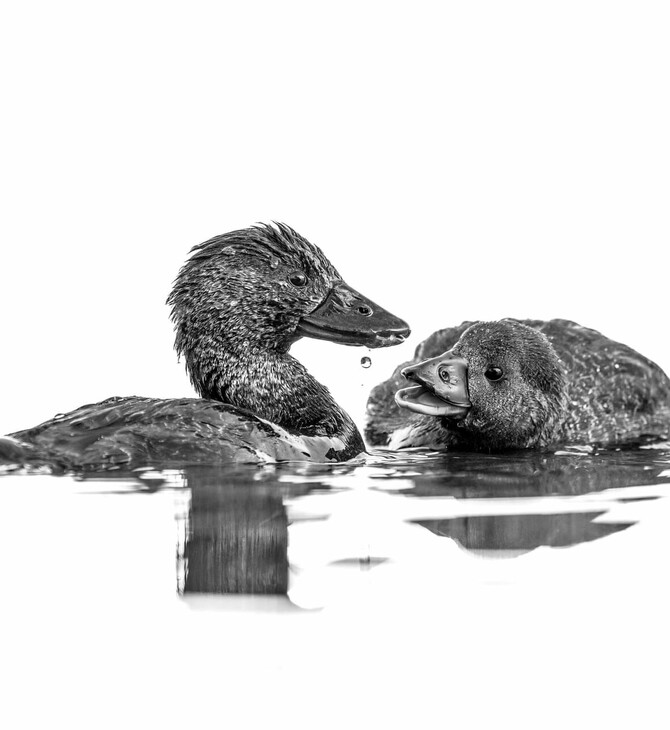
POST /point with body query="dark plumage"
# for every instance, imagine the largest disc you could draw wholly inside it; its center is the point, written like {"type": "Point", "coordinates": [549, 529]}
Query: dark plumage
{"type": "Point", "coordinates": [238, 304]}
{"type": "Point", "coordinates": [517, 384]}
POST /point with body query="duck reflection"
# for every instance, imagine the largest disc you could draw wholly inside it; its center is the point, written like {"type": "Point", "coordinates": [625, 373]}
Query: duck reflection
{"type": "Point", "coordinates": [236, 533]}
{"type": "Point", "coordinates": [238, 538]}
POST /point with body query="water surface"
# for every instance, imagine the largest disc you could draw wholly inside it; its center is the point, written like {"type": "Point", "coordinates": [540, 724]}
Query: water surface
{"type": "Point", "coordinates": [416, 587]}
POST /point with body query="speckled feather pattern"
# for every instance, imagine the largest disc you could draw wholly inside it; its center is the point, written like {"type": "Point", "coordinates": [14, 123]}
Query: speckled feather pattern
{"type": "Point", "coordinates": [235, 315]}
{"type": "Point", "coordinates": [611, 395]}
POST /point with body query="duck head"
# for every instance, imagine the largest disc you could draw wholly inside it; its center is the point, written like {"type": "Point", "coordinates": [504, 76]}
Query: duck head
{"type": "Point", "coordinates": [501, 386]}
{"type": "Point", "coordinates": [259, 290]}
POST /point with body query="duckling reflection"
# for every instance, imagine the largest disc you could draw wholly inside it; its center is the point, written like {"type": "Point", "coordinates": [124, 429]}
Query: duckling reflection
{"type": "Point", "coordinates": [522, 533]}
{"type": "Point", "coordinates": [536, 474]}
{"type": "Point", "coordinates": [530, 474]}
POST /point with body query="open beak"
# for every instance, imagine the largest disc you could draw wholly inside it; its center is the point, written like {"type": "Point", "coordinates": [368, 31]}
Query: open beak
{"type": "Point", "coordinates": [347, 317]}
{"type": "Point", "coordinates": [442, 388]}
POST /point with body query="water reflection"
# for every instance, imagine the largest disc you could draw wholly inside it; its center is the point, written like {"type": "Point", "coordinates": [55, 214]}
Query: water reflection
{"type": "Point", "coordinates": [237, 527]}
{"type": "Point", "coordinates": [535, 473]}
{"type": "Point", "coordinates": [521, 533]}
{"type": "Point", "coordinates": [236, 531]}
{"type": "Point", "coordinates": [237, 536]}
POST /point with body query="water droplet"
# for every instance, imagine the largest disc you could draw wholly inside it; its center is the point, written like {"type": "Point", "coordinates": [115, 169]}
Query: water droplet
{"type": "Point", "coordinates": [274, 263]}
{"type": "Point", "coordinates": [366, 362]}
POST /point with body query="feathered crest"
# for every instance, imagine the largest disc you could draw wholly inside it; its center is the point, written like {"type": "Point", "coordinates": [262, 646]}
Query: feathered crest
{"type": "Point", "coordinates": [266, 241]}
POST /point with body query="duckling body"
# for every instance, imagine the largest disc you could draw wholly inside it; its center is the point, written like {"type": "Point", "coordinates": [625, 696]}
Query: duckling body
{"type": "Point", "coordinates": [519, 384]}
{"type": "Point", "coordinates": [238, 304]}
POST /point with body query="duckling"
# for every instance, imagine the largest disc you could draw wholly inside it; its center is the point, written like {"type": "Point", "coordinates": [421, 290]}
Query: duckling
{"type": "Point", "coordinates": [516, 384]}
{"type": "Point", "coordinates": [238, 304]}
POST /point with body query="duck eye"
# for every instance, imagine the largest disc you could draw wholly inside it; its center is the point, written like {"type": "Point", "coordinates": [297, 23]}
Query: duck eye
{"type": "Point", "coordinates": [297, 278]}
{"type": "Point", "coordinates": [493, 374]}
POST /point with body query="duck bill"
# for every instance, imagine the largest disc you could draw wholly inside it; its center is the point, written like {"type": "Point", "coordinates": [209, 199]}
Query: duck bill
{"type": "Point", "coordinates": [441, 390]}
{"type": "Point", "coordinates": [347, 317]}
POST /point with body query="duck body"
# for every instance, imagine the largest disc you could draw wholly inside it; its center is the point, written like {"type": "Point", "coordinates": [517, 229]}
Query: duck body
{"type": "Point", "coordinates": [134, 431]}
{"type": "Point", "coordinates": [488, 386]}
{"type": "Point", "coordinates": [238, 304]}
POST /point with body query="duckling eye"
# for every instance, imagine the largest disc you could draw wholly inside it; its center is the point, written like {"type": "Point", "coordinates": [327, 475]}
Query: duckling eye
{"type": "Point", "coordinates": [493, 374]}
{"type": "Point", "coordinates": [297, 278]}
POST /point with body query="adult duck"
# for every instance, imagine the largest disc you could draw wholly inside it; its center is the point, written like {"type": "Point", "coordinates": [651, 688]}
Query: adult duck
{"type": "Point", "coordinates": [511, 384]}
{"type": "Point", "coordinates": [238, 304]}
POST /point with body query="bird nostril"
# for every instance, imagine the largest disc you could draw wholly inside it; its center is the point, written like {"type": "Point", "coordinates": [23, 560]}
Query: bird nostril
{"type": "Point", "coordinates": [365, 310]}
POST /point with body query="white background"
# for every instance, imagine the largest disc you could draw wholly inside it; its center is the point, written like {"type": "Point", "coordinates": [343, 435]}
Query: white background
{"type": "Point", "coordinates": [454, 160]}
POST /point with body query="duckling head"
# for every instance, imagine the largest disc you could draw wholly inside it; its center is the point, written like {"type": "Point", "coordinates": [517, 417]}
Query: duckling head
{"type": "Point", "coordinates": [501, 386]}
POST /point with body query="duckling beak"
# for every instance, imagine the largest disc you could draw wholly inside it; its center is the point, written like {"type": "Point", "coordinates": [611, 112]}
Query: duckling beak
{"type": "Point", "coordinates": [347, 317]}
{"type": "Point", "coordinates": [442, 389]}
